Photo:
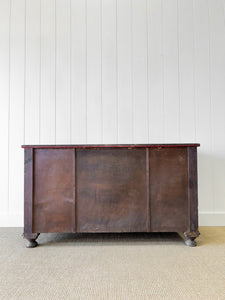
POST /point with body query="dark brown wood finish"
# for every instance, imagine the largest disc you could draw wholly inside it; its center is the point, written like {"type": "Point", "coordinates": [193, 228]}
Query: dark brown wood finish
{"type": "Point", "coordinates": [192, 231]}
{"type": "Point", "coordinates": [28, 198]}
{"type": "Point", "coordinates": [111, 188]}
{"type": "Point", "coordinates": [168, 189]}
{"type": "Point", "coordinates": [109, 146]}
{"type": "Point", "coordinates": [148, 191]}
{"type": "Point", "coordinates": [54, 201]}
{"type": "Point", "coordinates": [28, 190]}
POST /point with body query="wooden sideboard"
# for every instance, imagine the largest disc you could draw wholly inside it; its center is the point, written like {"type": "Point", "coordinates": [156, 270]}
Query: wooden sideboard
{"type": "Point", "coordinates": [111, 188]}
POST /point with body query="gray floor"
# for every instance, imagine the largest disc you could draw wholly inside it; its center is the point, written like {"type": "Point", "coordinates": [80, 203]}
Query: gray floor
{"type": "Point", "coordinates": [112, 266]}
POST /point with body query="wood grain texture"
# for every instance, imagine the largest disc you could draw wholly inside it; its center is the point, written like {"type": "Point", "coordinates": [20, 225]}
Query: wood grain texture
{"type": "Point", "coordinates": [192, 189]}
{"type": "Point", "coordinates": [28, 190]}
{"type": "Point", "coordinates": [169, 189]}
{"type": "Point", "coordinates": [111, 190]}
{"type": "Point", "coordinates": [54, 192]}
{"type": "Point", "coordinates": [112, 146]}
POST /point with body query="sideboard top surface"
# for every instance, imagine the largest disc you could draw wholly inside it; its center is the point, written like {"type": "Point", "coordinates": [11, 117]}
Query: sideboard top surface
{"type": "Point", "coordinates": [109, 146]}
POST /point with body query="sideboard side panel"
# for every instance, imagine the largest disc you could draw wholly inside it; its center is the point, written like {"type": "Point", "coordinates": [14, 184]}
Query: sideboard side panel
{"type": "Point", "coordinates": [54, 190]}
{"type": "Point", "coordinates": [169, 189]}
{"type": "Point", "coordinates": [28, 190]}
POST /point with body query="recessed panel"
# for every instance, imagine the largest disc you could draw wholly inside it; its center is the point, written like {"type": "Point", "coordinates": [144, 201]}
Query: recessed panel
{"type": "Point", "coordinates": [168, 189]}
{"type": "Point", "coordinates": [54, 192]}
{"type": "Point", "coordinates": [111, 189]}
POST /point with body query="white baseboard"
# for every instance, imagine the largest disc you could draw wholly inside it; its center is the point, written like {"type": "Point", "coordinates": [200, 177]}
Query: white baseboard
{"type": "Point", "coordinates": [11, 220]}
{"type": "Point", "coordinates": [206, 218]}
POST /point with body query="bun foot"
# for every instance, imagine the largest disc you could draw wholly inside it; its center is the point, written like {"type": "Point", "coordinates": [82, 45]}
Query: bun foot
{"type": "Point", "coordinates": [190, 243]}
{"type": "Point", "coordinates": [31, 243]}
{"type": "Point", "coordinates": [31, 239]}
{"type": "Point", "coordinates": [190, 238]}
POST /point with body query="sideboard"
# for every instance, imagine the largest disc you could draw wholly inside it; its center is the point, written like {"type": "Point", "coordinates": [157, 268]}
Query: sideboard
{"type": "Point", "coordinates": [111, 188]}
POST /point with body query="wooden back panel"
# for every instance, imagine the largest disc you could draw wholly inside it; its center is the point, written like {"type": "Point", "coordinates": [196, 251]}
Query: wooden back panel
{"type": "Point", "coordinates": [169, 189]}
{"type": "Point", "coordinates": [111, 190]}
{"type": "Point", "coordinates": [54, 190]}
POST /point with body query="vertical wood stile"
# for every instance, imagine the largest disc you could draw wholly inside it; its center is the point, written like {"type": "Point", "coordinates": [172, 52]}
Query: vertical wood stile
{"type": "Point", "coordinates": [28, 190]}
{"type": "Point", "coordinates": [75, 190]}
{"type": "Point", "coordinates": [148, 191]}
{"type": "Point", "coordinates": [192, 188]}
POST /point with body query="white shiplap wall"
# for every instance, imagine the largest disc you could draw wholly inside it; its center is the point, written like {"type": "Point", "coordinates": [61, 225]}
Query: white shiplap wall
{"type": "Point", "coordinates": [112, 71]}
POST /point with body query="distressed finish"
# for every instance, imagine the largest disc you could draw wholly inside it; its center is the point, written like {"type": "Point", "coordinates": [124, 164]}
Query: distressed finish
{"type": "Point", "coordinates": [111, 188]}
{"type": "Point", "coordinates": [168, 189]}
{"type": "Point", "coordinates": [54, 190]}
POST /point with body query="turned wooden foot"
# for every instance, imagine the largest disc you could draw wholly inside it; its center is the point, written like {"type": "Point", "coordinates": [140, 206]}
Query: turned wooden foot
{"type": "Point", "coordinates": [31, 239]}
{"type": "Point", "coordinates": [190, 242]}
{"type": "Point", "coordinates": [190, 238]}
